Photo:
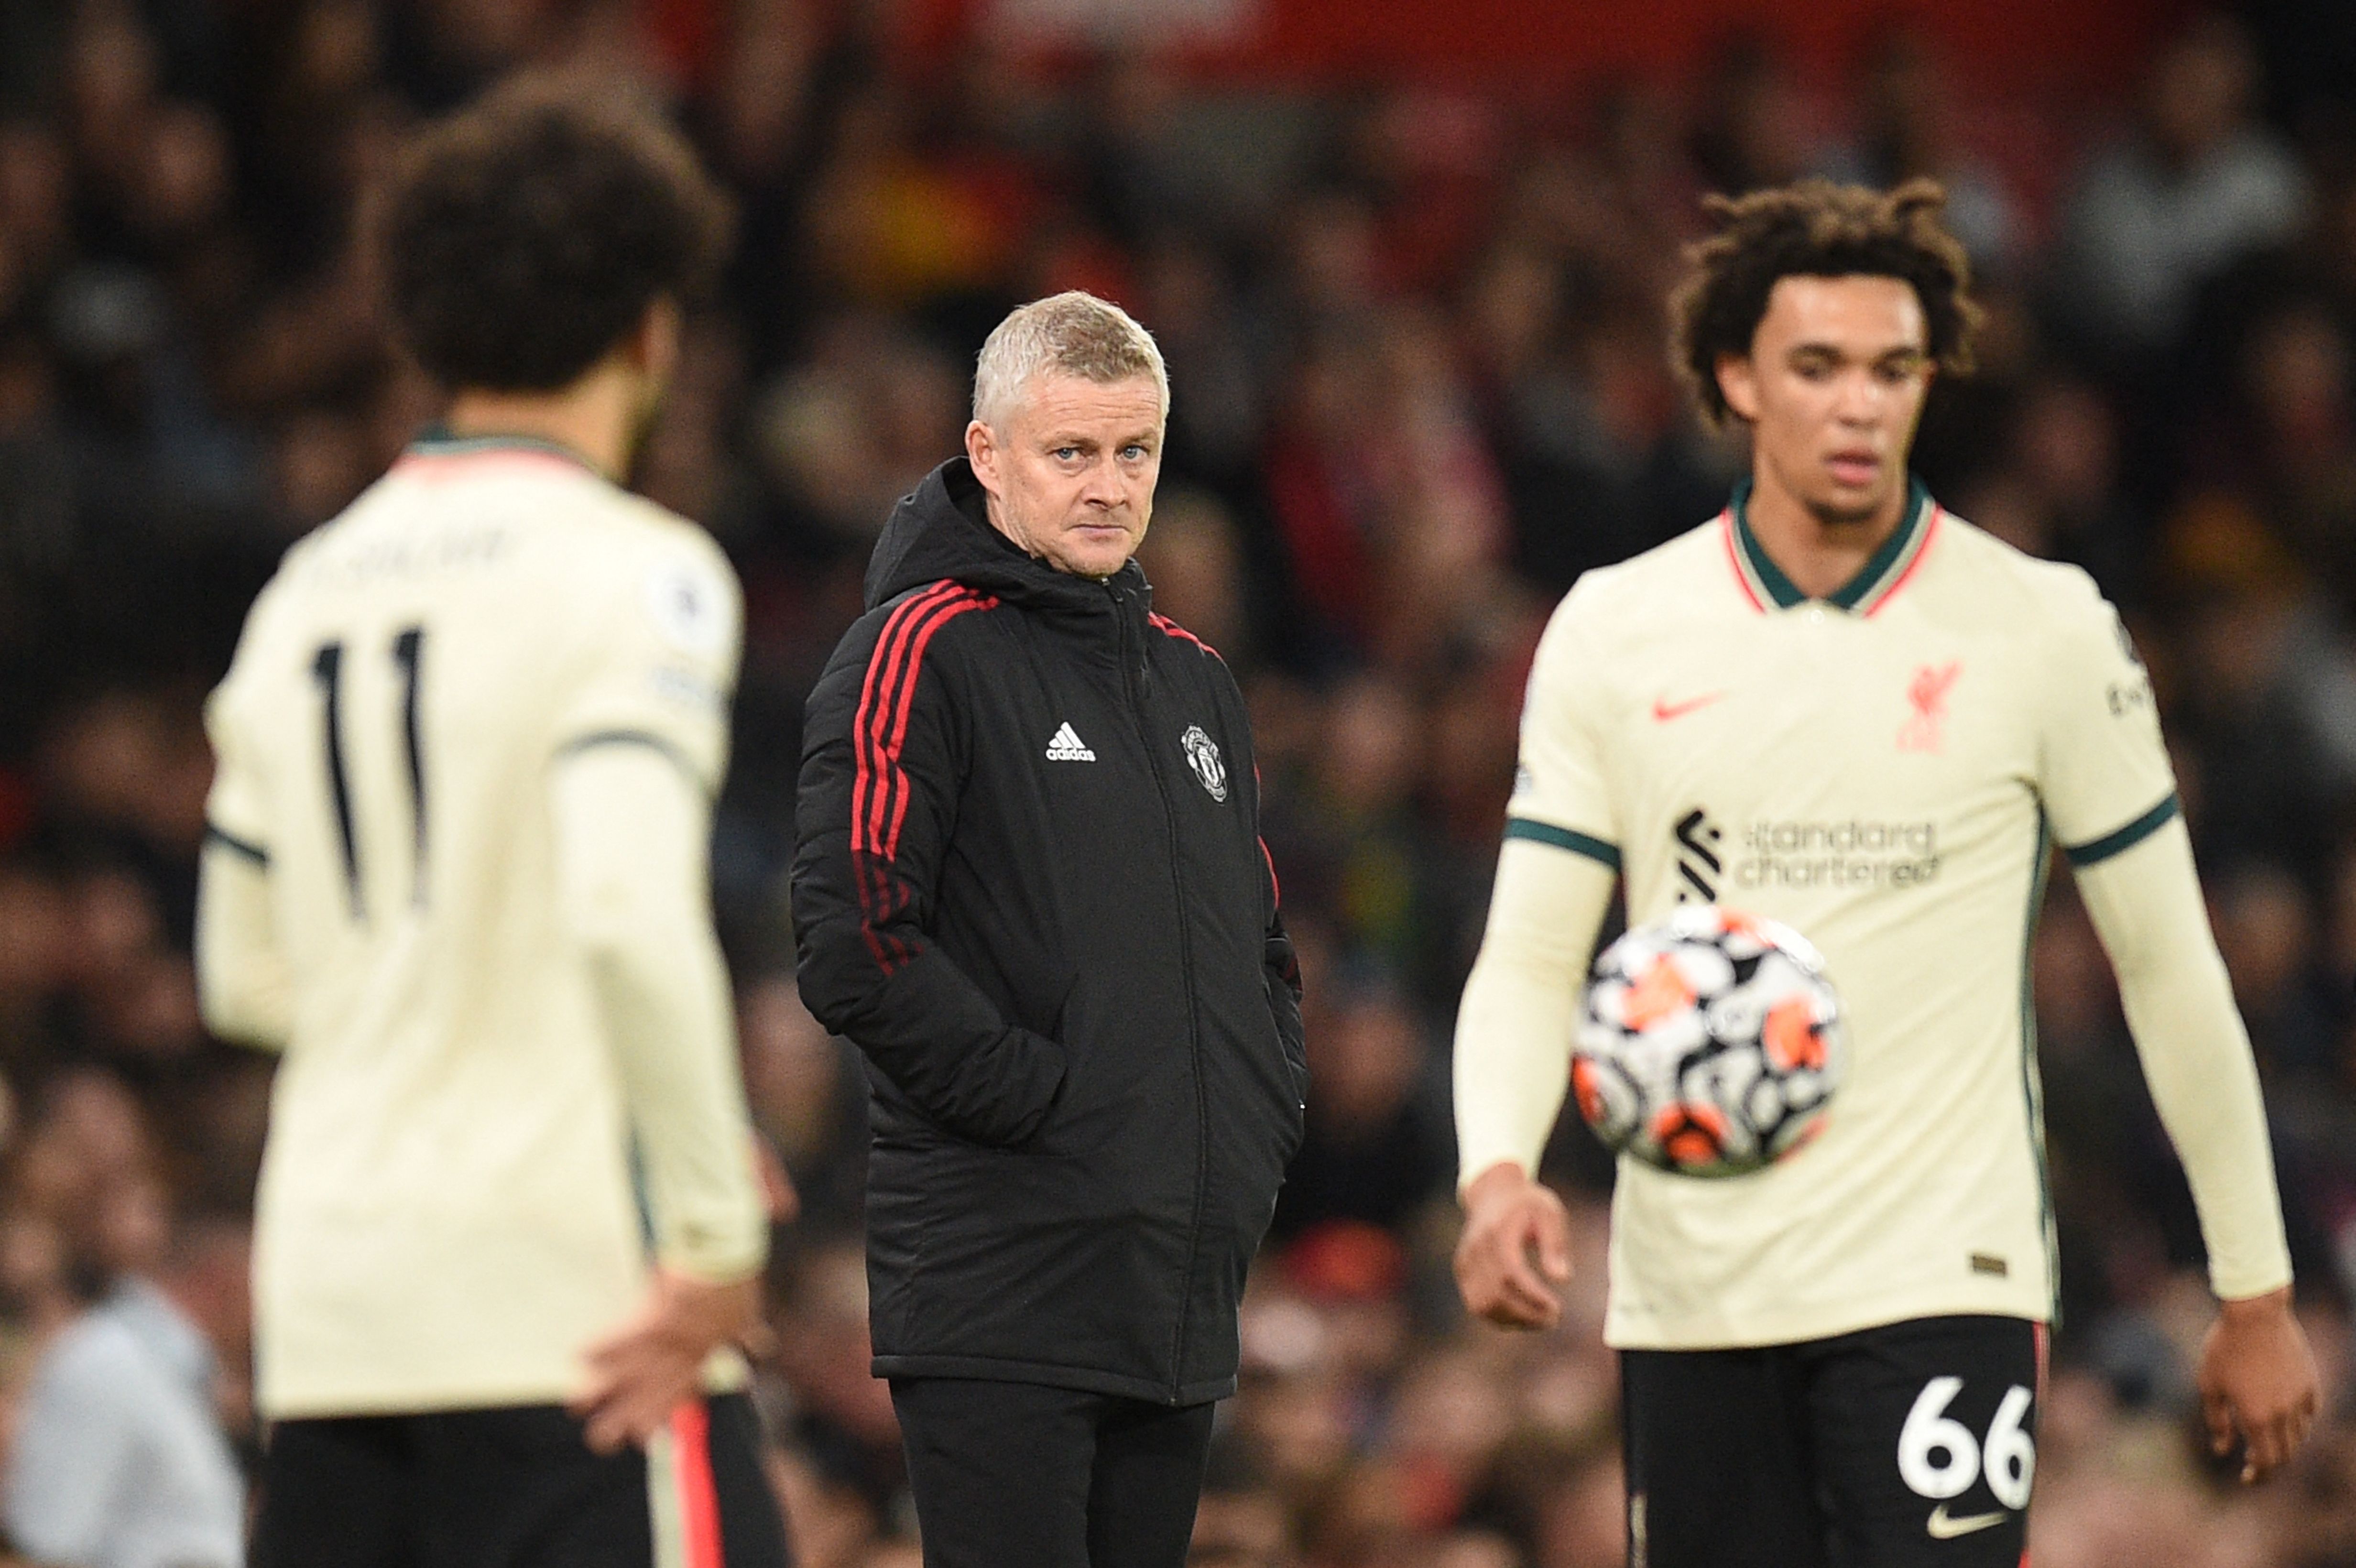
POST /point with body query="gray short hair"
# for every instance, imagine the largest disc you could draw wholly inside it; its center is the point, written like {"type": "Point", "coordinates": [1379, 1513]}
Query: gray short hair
{"type": "Point", "coordinates": [1075, 333]}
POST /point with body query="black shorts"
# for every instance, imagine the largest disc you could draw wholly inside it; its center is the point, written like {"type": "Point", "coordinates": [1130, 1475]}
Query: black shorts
{"type": "Point", "coordinates": [1910, 1443]}
{"type": "Point", "coordinates": [516, 1488]}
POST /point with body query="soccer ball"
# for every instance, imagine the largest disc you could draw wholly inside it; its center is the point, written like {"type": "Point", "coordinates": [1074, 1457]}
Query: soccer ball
{"type": "Point", "coordinates": [1709, 1042]}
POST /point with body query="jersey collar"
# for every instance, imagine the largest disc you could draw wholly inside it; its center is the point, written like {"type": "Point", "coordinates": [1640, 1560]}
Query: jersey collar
{"type": "Point", "coordinates": [440, 440]}
{"type": "Point", "coordinates": [1862, 594]}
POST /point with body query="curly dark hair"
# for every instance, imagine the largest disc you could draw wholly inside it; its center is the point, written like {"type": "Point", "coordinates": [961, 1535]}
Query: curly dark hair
{"type": "Point", "coordinates": [521, 238]}
{"type": "Point", "coordinates": [1815, 229]}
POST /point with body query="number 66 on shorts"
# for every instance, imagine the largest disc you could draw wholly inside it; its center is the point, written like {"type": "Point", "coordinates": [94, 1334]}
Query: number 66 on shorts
{"type": "Point", "coordinates": [1908, 1446]}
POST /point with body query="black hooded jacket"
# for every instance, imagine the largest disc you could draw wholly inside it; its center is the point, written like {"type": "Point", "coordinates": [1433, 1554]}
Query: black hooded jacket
{"type": "Point", "coordinates": [1030, 886]}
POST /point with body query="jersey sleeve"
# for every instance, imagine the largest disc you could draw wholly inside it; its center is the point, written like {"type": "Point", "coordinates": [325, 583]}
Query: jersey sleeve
{"type": "Point", "coordinates": [657, 658]}
{"type": "Point", "coordinates": [236, 808]}
{"type": "Point", "coordinates": [633, 873]}
{"type": "Point", "coordinates": [2146, 905]}
{"type": "Point", "coordinates": [1560, 794]}
{"type": "Point", "coordinates": [243, 981]}
{"type": "Point", "coordinates": [2103, 777]}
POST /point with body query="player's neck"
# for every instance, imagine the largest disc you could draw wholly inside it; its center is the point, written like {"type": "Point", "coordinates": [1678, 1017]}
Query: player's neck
{"type": "Point", "coordinates": [1820, 554]}
{"type": "Point", "coordinates": [597, 416]}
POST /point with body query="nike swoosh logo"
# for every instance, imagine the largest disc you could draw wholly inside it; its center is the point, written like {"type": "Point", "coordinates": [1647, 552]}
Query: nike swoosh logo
{"type": "Point", "coordinates": [1664, 710]}
{"type": "Point", "coordinates": [1942, 1528]}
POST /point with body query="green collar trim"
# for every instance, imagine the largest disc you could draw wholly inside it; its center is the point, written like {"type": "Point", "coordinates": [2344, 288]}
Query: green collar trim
{"type": "Point", "coordinates": [1860, 593]}
{"type": "Point", "coordinates": [440, 440]}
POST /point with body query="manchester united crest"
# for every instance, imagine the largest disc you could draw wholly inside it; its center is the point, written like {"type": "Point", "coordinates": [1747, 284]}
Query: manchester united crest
{"type": "Point", "coordinates": [1203, 756]}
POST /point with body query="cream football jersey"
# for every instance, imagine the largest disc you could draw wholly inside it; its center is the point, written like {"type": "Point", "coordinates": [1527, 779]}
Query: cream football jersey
{"type": "Point", "coordinates": [448, 1212]}
{"type": "Point", "coordinates": [1886, 771]}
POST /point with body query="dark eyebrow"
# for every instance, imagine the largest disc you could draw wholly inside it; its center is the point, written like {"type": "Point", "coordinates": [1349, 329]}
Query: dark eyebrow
{"type": "Point", "coordinates": [1833, 351]}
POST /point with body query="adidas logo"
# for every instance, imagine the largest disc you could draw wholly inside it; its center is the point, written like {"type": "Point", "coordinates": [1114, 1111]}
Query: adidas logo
{"type": "Point", "coordinates": [1066, 747]}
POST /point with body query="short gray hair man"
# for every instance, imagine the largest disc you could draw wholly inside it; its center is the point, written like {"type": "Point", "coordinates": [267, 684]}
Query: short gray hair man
{"type": "Point", "coordinates": [1072, 332]}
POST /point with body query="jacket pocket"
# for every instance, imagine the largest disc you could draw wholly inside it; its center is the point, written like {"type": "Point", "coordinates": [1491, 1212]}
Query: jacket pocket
{"type": "Point", "coordinates": [1078, 1123]}
{"type": "Point", "coordinates": [1296, 1107]}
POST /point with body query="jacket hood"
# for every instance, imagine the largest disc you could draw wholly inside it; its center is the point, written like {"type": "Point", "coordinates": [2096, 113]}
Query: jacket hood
{"type": "Point", "coordinates": [941, 530]}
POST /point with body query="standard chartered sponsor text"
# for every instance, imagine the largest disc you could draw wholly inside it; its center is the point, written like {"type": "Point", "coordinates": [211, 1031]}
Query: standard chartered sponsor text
{"type": "Point", "coordinates": [1855, 853]}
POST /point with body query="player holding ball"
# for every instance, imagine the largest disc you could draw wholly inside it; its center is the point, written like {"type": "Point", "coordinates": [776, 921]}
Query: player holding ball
{"type": "Point", "coordinates": [1837, 706]}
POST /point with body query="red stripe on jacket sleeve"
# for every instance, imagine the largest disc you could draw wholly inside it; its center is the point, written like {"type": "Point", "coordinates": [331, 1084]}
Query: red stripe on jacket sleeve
{"type": "Point", "coordinates": [879, 731]}
{"type": "Point", "coordinates": [899, 779]}
{"type": "Point", "coordinates": [1171, 628]}
{"type": "Point", "coordinates": [899, 682]}
{"type": "Point", "coordinates": [882, 667]}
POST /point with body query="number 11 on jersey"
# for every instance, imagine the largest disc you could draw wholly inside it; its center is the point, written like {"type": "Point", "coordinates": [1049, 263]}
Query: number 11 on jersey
{"type": "Point", "coordinates": [327, 672]}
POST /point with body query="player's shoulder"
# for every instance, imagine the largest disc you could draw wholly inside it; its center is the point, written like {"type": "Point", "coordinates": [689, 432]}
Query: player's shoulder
{"type": "Point", "coordinates": [304, 564]}
{"type": "Point", "coordinates": [1640, 587]}
{"type": "Point", "coordinates": [2002, 579]}
{"type": "Point", "coordinates": [628, 562]}
{"type": "Point", "coordinates": [623, 535]}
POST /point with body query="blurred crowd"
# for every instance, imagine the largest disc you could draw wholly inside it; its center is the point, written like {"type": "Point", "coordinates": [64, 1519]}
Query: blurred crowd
{"type": "Point", "coordinates": [1416, 345]}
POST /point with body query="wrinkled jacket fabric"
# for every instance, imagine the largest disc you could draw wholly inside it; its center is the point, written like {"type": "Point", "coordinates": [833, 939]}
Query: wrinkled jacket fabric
{"type": "Point", "coordinates": [1028, 885]}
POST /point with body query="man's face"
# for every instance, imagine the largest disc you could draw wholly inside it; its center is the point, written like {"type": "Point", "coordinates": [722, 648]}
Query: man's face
{"type": "Point", "coordinates": [1832, 388]}
{"type": "Point", "coordinates": [1071, 470]}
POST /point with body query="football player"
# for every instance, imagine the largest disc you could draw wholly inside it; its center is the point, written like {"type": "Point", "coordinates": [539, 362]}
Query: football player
{"type": "Point", "coordinates": [508, 1220]}
{"type": "Point", "coordinates": [1837, 705]}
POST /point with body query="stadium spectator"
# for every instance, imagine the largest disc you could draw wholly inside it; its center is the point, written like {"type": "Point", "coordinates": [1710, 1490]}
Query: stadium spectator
{"type": "Point", "coordinates": [2197, 187]}
{"type": "Point", "coordinates": [118, 1458]}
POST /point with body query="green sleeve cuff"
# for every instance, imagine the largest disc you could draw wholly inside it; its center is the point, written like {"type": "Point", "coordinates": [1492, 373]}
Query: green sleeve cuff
{"type": "Point", "coordinates": [2100, 849]}
{"type": "Point", "coordinates": [1596, 849]}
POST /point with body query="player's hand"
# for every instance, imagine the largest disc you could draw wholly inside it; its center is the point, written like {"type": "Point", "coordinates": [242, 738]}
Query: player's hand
{"type": "Point", "coordinates": [2258, 1380]}
{"type": "Point", "coordinates": [643, 1371]}
{"type": "Point", "coordinates": [1515, 1255]}
{"type": "Point", "coordinates": [778, 1194]}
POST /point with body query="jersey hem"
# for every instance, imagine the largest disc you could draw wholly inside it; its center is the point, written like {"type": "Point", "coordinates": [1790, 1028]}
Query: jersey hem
{"type": "Point", "coordinates": [326, 1404]}
{"type": "Point", "coordinates": [1630, 1331]}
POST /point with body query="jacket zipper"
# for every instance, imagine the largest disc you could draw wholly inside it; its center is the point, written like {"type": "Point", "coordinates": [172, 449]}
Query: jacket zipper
{"type": "Point", "coordinates": [1133, 683]}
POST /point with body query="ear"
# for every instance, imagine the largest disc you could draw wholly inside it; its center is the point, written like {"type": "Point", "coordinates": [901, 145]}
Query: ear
{"type": "Point", "coordinates": [981, 450]}
{"type": "Point", "coordinates": [1737, 383]}
{"type": "Point", "coordinates": [653, 346]}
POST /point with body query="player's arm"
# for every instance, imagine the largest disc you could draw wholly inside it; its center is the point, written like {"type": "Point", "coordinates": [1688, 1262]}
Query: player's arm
{"type": "Point", "coordinates": [638, 748]}
{"type": "Point", "coordinates": [1514, 1025]}
{"type": "Point", "coordinates": [2107, 784]}
{"type": "Point", "coordinates": [243, 982]}
{"type": "Point", "coordinates": [632, 827]}
{"type": "Point", "coordinates": [862, 900]}
{"type": "Point", "coordinates": [2256, 1376]}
